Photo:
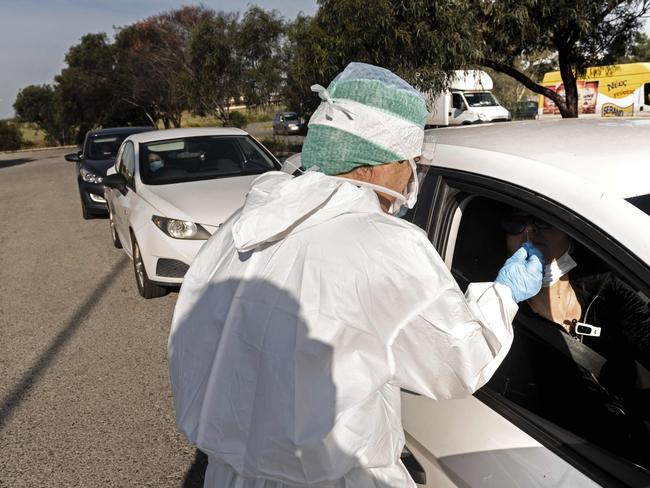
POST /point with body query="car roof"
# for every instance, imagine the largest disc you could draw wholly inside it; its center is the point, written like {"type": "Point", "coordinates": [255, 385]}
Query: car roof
{"type": "Point", "coordinates": [612, 154]}
{"type": "Point", "coordinates": [161, 135]}
{"type": "Point", "coordinates": [119, 130]}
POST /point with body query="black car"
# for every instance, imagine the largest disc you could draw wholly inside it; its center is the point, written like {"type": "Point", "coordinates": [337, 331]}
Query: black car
{"type": "Point", "coordinates": [98, 154]}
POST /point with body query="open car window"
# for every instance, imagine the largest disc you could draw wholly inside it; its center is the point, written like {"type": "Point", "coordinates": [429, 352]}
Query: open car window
{"type": "Point", "coordinates": [596, 388]}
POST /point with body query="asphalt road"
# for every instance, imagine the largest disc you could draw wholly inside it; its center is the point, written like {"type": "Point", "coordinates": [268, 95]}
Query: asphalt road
{"type": "Point", "coordinates": [84, 393]}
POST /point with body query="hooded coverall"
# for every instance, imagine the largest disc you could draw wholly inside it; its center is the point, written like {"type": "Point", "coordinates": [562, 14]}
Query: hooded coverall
{"type": "Point", "coordinates": [298, 323]}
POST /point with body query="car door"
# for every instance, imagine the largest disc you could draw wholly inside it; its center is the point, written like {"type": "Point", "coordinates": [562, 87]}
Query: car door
{"type": "Point", "coordinates": [493, 438]}
{"type": "Point", "coordinates": [123, 201]}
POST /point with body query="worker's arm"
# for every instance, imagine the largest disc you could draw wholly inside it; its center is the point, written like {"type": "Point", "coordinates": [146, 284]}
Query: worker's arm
{"type": "Point", "coordinates": [454, 343]}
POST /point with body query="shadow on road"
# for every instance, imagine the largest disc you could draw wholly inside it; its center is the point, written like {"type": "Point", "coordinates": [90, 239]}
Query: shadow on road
{"type": "Point", "coordinates": [196, 474]}
{"type": "Point", "coordinates": [14, 162]}
{"type": "Point", "coordinates": [33, 375]}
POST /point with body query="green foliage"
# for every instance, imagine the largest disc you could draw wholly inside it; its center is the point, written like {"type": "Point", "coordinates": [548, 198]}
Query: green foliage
{"type": "Point", "coordinates": [258, 44]}
{"type": "Point", "coordinates": [237, 119]}
{"type": "Point", "coordinates": [216, 74]}
{"type": "Point", "coordinates": [41, 105]}
{"type": "Point", "coordinates": [10, 136]}
{"type": "Point", "coordinates": [638, 51]}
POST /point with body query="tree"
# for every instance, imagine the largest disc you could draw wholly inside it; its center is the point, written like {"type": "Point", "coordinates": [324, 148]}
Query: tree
{"type": "Point", "coordinates": [259, 50]}
{"type": "Point", "coordinates": [85, 89]}
{"type": "Point", "coordinates": [39, 104]}
{"type": "Point", "coordinates": [10, 136]}
{"type": "Point", "coordinates": [419, 40]}
{"type": "Point", "coordinates": [581, 34]}
{"type": "Point", "coordinates": [217, 72]}
{"type": "Point", "coordinates": [154, 69]}
{"type": "Point", "coordinates": [638, 51]}
{"type": "Point", "coordinates": [422, 40]}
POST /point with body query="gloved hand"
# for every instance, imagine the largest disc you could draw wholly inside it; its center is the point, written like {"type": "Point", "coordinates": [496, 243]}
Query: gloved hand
{"type": "Point", "coordinates": [523, 272]}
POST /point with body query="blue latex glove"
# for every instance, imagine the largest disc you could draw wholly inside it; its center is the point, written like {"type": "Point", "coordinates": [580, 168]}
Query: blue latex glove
{"type": "Point", "coordinates": [523, 272]}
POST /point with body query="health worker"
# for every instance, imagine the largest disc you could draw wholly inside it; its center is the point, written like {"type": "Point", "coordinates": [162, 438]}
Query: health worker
{"type": "Point", "coordinates": [303, 316]}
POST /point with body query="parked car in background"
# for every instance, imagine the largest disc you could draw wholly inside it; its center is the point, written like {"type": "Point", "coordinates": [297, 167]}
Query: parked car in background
{"type": "Point", "coordinates": [170, 190]}
{"type": "Point", "coordinates": [530, 426]}
{"type": "Point", "coordinates": [525, 110]}
{"type": "Point", "coordinates": [288, 123]}
{"type": "Point", "coordinates": [96, 156]}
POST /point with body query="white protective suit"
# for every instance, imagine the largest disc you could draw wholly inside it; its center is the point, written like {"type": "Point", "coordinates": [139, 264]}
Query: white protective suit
{"type": "Point", "coordinates": [299, 321]}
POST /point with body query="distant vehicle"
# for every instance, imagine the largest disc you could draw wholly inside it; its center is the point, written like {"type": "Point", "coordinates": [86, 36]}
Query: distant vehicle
{"type": "Point", "coordinates": [96, 156]}
{"type": "Point", "coordinates": [288, 123]}
{"type": "Point", "coordinates": [525, 109]}
{"type": "Point", "coordinates": [170, 190]}
{"type": "Point", "coordinates": [621, 90]}
{"type": "Point", "coordinates": [468, 101]}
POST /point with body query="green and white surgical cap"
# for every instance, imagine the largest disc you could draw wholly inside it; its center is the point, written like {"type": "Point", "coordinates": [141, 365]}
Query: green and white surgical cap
{"type": "Point", "coordinates": [368, 116]}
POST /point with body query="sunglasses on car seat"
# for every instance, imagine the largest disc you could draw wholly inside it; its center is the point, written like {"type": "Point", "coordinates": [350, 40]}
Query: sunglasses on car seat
{"type": "Point", "coordinates": [516, 224]}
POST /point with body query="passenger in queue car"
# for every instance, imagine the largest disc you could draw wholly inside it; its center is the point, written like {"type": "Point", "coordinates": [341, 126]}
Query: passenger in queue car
{"type": "Point", "coordinates": [155, 162]}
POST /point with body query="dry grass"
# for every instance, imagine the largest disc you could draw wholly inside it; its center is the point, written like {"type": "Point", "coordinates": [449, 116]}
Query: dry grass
{"type": "Point", "coordinates": [32, 137]}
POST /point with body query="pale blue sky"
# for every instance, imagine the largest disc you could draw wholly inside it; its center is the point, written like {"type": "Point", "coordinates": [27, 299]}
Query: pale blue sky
{"type": "Point", "coordinates": [35, 34]}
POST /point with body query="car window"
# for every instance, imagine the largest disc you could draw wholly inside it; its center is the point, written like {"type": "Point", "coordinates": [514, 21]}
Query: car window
{"type": "Point", "coordinates": [642, 202]}
{"type": "Point", "coordinates": [103, 147]}
{"type": "Point", "coordinates": [457, 101]}
{"type": "Point", "coordinates": [589, 378]}
{"type": "Point", "coordinates": [127, 166]}
{"type": "Point", "coordinates": [200, 158]}
{"type": "Point", "coordinates": [646, 94]}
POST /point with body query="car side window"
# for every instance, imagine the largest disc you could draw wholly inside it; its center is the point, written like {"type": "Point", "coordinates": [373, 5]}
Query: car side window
{"type": "Point", "coordinates": [457, 101]}
{"type": "Point", "coordinates": [590, 378]}
{"type": "Point", "coordinates": [127, 166]}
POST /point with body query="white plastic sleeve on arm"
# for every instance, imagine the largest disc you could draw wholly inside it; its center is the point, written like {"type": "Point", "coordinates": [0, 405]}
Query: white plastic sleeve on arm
{"type": "Point", "coordinates": [452, 347]}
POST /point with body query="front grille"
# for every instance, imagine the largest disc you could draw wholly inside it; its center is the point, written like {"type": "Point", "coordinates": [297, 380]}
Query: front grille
{"type": "Point", "coordinates": [171, 268]}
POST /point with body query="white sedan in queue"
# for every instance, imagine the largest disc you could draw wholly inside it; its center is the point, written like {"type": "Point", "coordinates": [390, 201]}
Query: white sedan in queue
{"type": "Point", "coordinates": [170, 190]}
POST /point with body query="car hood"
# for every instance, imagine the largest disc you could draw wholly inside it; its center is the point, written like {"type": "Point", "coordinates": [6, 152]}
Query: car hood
{"type": "Point", "coordinates": [97, 166]}
{"type": "Point", "coordinates": [206, 202]}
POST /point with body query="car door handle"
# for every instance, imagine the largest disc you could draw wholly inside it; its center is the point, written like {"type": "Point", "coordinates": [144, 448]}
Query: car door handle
{"type": "Point", "coordinates": [413, 467]}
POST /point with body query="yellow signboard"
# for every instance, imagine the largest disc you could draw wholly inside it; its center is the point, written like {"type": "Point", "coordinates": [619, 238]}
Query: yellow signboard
{"type": "Point", "coordinates": [612, 110]}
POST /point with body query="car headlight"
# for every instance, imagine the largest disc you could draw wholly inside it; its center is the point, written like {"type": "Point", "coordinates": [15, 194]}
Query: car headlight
{"type": "Point", "coordinates": [180, 229]}
{"type": "Point", "coordinates": [482, 117]}
{"type": "Point", "coordinates": [89, 176]}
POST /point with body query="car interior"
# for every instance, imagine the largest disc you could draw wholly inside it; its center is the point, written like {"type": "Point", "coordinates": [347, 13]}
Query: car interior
{"type": "Point", "coordinates": [202, 157]}
{"type": "Point", "coordinates": [580, 384]}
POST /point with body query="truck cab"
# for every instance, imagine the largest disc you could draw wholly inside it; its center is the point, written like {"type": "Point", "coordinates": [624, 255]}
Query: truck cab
{"type": "Point", "coordinates": [468, 101]}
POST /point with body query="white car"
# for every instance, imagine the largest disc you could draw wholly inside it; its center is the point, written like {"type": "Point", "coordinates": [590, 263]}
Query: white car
{"type": "Point", "coordinates": [170, 190]}
{"type": "Point", "coordinates": [526, 428]}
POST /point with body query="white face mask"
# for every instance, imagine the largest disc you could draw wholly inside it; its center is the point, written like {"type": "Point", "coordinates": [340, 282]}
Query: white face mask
{"type": "Point", "coordinates": [406, 199]}
{"type": "Point", "coordinates": [557, 269]}
{"type": "Point", "coordinates": [155, 165]}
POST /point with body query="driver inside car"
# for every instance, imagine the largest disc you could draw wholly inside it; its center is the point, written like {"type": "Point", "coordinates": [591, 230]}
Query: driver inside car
{"type": "Point", "coordinates": [604, 397]}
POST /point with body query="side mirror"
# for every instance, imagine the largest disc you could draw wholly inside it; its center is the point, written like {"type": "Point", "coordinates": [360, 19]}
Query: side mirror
{"type": "Point", "coordinates": [74, 157]}
{"type": "Point", "coordinates": [116, 181]}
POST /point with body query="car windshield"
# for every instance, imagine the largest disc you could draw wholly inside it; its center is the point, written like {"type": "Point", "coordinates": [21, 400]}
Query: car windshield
{"type": "Point", "coordinates": [103, 147]}
{"type": "Point", "coordinates": [642, 202]}
{"type": "Point", "coordinates": [202, 158]}
{"type": "Point", "coordinates": [481, 99]}
{"type": "Point", "coordinates": [290, 116]}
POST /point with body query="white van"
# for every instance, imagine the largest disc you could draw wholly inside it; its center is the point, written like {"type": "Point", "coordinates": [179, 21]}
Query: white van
{"type": "Point", "coordinates": [468, 101]}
